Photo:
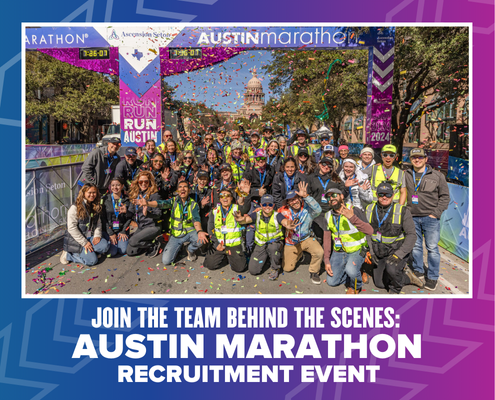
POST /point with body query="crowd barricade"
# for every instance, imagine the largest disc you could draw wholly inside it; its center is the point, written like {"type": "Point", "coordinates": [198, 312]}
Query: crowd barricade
{"type": "Point", "coordinates": [454, 224]}
{"type": "Point", "coordinates": [49, 192]}
{"type": "Point", "coordinates": [48, 151]}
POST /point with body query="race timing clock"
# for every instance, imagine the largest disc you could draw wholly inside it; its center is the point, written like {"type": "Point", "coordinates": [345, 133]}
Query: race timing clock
{"type": "Point", "coordinates": [184, 54]}
{"type": "Point", "coordinates": [94, 53]}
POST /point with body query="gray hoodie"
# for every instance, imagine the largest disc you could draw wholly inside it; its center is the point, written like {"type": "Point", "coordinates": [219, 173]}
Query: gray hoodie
{"type": "Point", "coordinates": [93, 169]}
{"type": "Point", "coordinates": [433, 193]}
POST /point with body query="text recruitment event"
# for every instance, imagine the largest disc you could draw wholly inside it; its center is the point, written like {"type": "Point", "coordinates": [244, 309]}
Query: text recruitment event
{"type": "Point", "coordinates": [249, 208]}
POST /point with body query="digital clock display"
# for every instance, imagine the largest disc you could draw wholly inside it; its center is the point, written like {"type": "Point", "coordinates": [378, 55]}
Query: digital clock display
{"type": "Point", "coordinates": [94, 53]}
{"type": "Point", "coordinates": [184, 54]}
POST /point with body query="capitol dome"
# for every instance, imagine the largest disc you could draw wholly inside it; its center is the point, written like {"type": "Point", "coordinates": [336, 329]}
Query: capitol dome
{"type": "Point", "coordinates": [254, 82]}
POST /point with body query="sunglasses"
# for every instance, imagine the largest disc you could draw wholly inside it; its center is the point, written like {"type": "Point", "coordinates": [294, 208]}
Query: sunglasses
{"type": "Point", "coordinates": [303, 155]}
{"type": "Point", "coordinates": [208, 139]}
{"type": "Point", "coordinates": [158, 161]}
{"type": "Point", "coordinates": [260, 158]}
{"type": "Point", "coordinates": [187, 158]}
{"type": "Point", "coordinates": [224, 196]}
{"type": "Point", "coordinates": [143, 182]}
{"type": "Point", "coordinates": [387, 195]}
{"type": "Point", "coordinates": [267, 205]}
{"type": "Point", "coordinates": [334, 195]}
{"type": "Point", "coordinates": [417, 158]}
{"type": "Point", "coordinates": [132, 156]}
{"type": "Point", "coordinates": [385, 155]}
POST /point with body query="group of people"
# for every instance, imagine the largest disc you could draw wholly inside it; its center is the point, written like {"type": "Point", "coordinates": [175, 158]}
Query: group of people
{"type": "Point", "coordinates": [260, 202]}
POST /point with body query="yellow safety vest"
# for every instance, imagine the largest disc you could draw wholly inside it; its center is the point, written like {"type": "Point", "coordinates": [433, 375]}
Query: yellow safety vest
{"type": "Point", "coordinates": [267, 232]}
{"type": "Point", "coordinates": [229, 233]}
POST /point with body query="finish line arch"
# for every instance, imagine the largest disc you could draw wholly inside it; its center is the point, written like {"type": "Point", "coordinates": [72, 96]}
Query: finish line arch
{"type": "Point", "coordinates": [141, 55]}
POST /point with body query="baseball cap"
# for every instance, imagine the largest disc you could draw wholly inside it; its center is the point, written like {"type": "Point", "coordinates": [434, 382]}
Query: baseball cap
{"type": "Point", "coordinates": [303, 151]}
{"type": "Point", "coordinates": [267, 198]}
{"type": "Point", "coordinates": [301, 132]}
{"type": "Point", "coordinates": [390, 148]}
{"type": "Point", "coordinates": [417, 152]}
{"type": "Point", "coordinates": [367, 150]}
{"type": "Point", "coordinates": [114, 140]}
{"type": "Point", "coordinates": [384, 188]}
{"type": "Point", "coordinates": [203, 175]}
{"type": "Point", "coordinates": [255, 133]}
{"type": "Point", "coordinates": [326, 160]}
{"type": "Point", "coordinates": [324, 136]}
{"type": "Point", "coordinates": [236, 144]}
{"type": "Point", "coordinates": [328, 147]}
{"type": "Point", "coordinates": [225, 166]}
{"type": "Point", "coordinates": [260, 153]}
{"type": "Point", "coordinates": [267, 127]}
{"type": "Point", "coordinates": [290, 195]}
{"type": "Point", "coordinates": [332, 190]}
{"type": "Point", "coordinates": [130, 151]}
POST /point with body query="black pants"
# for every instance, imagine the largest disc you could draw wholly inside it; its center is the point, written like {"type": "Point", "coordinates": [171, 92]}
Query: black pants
{"type": "Point", "coordinates": [261, 253]}
{"type": "Point", "coordinates": [217, 259]}
{"type": "Point", "coordinates": [142, 239]}
{"type": "Point", "coordinates": [391, 278]}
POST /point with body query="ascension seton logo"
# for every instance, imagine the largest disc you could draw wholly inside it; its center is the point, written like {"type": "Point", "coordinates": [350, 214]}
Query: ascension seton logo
{"type": "Point", "coordinates": [114, 35]}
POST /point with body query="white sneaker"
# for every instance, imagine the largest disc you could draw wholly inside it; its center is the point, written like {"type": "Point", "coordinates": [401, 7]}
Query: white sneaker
{"type": "Point", "coordinates": [63, 258]}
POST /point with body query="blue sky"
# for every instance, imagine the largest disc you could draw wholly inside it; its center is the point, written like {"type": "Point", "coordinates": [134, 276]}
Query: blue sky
{"type": "Point", "coordinates": [221, 86]}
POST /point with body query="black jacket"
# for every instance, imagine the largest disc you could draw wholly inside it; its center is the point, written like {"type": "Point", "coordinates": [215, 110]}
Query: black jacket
{"type": "Point", "coordinates": [252, 175]}
{"type": "Point", "coordinates": [279, 187]}
{"type": "Point", "coordinates": [127, 172]}
{"type": "Point", "coordinates": [108, 216]}
{"type": "Point", "coordinates": [152, 217]}
{"type": "Point", "coordinates": [316, 189]}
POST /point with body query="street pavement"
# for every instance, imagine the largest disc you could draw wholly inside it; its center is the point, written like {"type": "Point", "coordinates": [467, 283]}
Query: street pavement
{"type": "Point", "coordinates": [135, 276]}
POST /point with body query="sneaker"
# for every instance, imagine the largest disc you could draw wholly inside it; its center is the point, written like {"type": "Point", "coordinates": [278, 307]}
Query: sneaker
{"type": "Point", "coordinates": [63, 258]}
{"type": "Point", "coordinates": [154, 250]}
{"type": "Point", "coordinates": [273, 275]}
{"type": "Point", "coordinates": [351, 291]}
{"type": "Point", "coordinates": [191, 256]}
{"type": "Point", "coordinates": [414, 280]}
{"type": "Point", "coordinates": [431, 284]}
{"type": "Point", "coordinates": [315, 278]}
{"type": "Point", "coordinates": [419, 275]}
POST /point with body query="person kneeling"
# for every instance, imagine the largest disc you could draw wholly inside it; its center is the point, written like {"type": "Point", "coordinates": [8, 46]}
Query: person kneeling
{"type": "Point", "coordinates": [225, 234]}
{"type": "Point", "coordinates": [301, 209]}
{"type": "Point", "coordinates": [185, 224]}
{"type": "Point", "coordinates": [393, 239]}
{"type": "Point", "coordinates": [82, 240]}
{"type": "Point", "coordinates": [268, 236]}
{"type": "Point", "coordinates": [348, 229]}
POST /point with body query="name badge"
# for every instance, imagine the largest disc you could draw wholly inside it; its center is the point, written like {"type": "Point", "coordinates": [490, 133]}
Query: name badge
{"type": "Point", "coordinates": [224, 230]}
{"type": "Point", "coordinates": [116, 225]}
{"type": "Point", "coordinates": [415, 200]}
{"type": "Point", "coordinates": [338, 242]}
{"type": "Point", "coordinates": [108, 171]}
{"type": "Point", "coordinates": [323, 198]}
{"type": "Point", "coordinates": [379, 236]}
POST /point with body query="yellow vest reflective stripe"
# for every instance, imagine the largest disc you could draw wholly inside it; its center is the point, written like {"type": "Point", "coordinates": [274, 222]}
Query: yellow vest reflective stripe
{"type": "Point", "coordinates": [233, 233]}
{"type": "Point", "coordinates": [377, 177]}
{"type": "Point", "coordinates": [266, 232]}
{"type": "Point", "coordinates": [176, 219]}
{"type": "Point", "coordinates": [237, 172]}
{"type": "Point", "coordinates": [294, 149]}
{"type": "Point", "coordinates": [352, 239]}
{"type": "Point", "coordinates": [396, 220]}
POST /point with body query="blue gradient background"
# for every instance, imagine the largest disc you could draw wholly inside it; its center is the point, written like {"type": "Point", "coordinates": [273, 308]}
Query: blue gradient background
{"type": "Point", "coordinates": [37, 337]}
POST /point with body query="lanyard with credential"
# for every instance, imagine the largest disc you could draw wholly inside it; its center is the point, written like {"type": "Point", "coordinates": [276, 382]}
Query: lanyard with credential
{"type": "Point", "coordinates": [324, 185]}
{"type": "Point", "coordinates": [296, 217]}
{"type": "Point", "coordinates": [262, 179]}
{"type": "Point", "coordinates": [420, 179]}
{"type": "Point", "coordinates": [224, 216]}
{"type": "Point", "coordinates": [350, 189]}
{"type": "Point", "coordinates": [133, 172]}
{"type": "Point", "coordinates": [386, 176]}
{"type": "Point", "coordinates": [289, 182]}
{"type": "Point", "coordinates": [380, 223]}
{"type": "Point", "coordinates": [337, 225]}
{"type": "Point", "coordinates": [114, 208]}
{"type": "Point", "coordinates": [109, 160]}
{"type": "Point", "coordinates": [183, 209]}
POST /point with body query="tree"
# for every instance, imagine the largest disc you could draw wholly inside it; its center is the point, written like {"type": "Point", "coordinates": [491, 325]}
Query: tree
{"type": "Point", "coordinates": [299, 82]}
{"type": "Point", "coordinates": [66, 92]}
{"type": "Point", "coordinates": [427, 60]}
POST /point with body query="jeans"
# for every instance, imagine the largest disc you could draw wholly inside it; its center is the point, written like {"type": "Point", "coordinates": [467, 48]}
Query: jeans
{"type": "Point", "coordinates": [142, 239]}
{"type": "Point", "coordinates": [119, 248]}
{"type": "Point", "coordinates": [430, 229]}
{"type": "Point", "coordinates": [90, 258]}
{"type": "Point", "coordinates": [346, 269]}
{"type": "Point", "coordinates": [174, 245]}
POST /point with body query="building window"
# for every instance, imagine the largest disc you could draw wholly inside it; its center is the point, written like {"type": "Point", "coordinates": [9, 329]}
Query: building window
{"type": "Point", "coordinates": [359, 127]}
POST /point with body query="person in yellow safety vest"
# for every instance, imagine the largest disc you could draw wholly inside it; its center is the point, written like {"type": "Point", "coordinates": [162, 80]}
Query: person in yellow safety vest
{"type": "Point", "coordinates": [393, 239]}
{"type": "Point", "coordinates": [347, 227]}
{"type": "Point", "coordinates": [302, 137]}
{"type": "Point", "coordinates": [234, 136]}
{"type": "Point", "coordinates": [255, 145]}
{"type": "Point", "coordinates": [226, 233]}
{"type": "Point", "coordinates": [149, 151]}
{"type": "Point", "coordinates": [267, 136]}
{"type": "Point", "coordinates": [386, 172]}
{"type": "Point", "coordinates": [185, 224]}
{"type": "Point", "coordinates": [268, 236]}
{"type": "Point", "coordinates": [166, 137]}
